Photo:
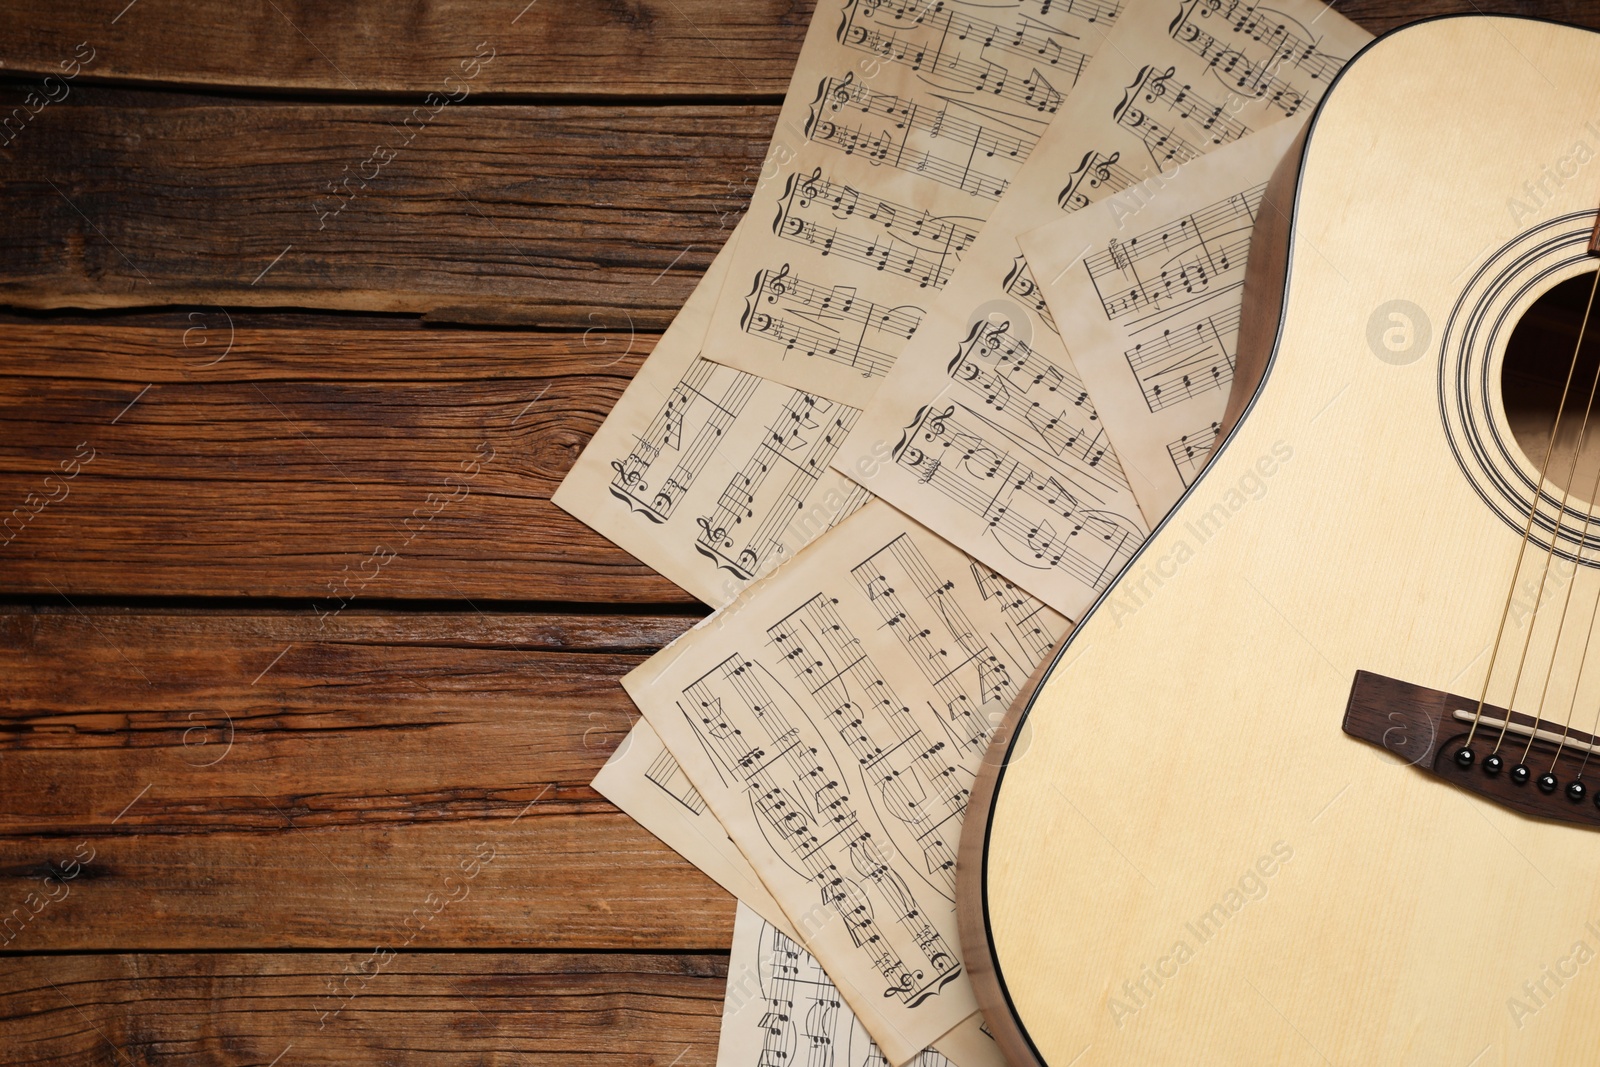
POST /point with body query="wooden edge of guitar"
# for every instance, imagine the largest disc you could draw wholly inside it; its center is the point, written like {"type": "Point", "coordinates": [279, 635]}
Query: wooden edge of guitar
{"type": "Point", "coordinates": [1265, 276]}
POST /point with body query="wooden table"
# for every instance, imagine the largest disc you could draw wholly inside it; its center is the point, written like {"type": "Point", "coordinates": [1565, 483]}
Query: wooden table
{"type": "Point", "coordinates": [308, 308]}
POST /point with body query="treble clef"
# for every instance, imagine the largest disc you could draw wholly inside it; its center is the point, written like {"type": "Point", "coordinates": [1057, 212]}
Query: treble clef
{"type": "Point", "coordinates": [1102, 172]}
{"type": "Point", "coordinates": [713, 535]}
{"type": "Point", "coordinates": [1156, 87]}
{"type": "Point", "coordinates": [777, 286]}
{"type": "Point", "coordinates": [811, 187]}
{"type": "Point", "coordinates": [627, 474]}
{"type": "Point", "coordinates": [842, 91]}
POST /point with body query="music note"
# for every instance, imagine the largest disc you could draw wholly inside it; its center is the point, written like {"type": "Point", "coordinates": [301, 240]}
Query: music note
{"type": "Point", "coordinates": [1185, 261]}
{"type": "Point", "coordinates": [1190, 452]}
{"type": "Point", "coordinates": [1014, 394]}
{"type": "Point", "coordinates": [835, 731]}
{"type": "Point", "coordinates": [1256, 60]}
{"type": "Point", "coordinates": [821, 323]}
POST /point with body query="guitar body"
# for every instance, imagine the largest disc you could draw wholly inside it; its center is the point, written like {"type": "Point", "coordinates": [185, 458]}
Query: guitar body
{"type": "Point", "coordinates": [1181, 853]}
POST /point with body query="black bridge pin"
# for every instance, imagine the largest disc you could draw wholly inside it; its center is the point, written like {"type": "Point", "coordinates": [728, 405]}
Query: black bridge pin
{"type": "Point", "coordinates": [1464, 757]}
{"type": "Point", "coordinates": [1520, 774]}
{"type": "Point", "coordinates": [1575, 791]}
{"type": "Point", "coordinates": [1493, 764]}
{"type": "Point", "coordinates": [1547, 782]}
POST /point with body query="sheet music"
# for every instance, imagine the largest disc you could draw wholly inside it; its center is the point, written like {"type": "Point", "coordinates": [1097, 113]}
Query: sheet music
{"type": "Point", "coordinates": [644, 780]}
{"type": "Point", "coordinates": [905, 123]}
{"type": "Point", "coordinates": [711, 476]}
{"type": "Point", "coordinates": [782, 1010]}
{"type": "Point", "coordinates": [833, 719]}
{"type": "Point", "coordinates": [1151, 316]}
{"type": "Point", "coordinates": [995, 443]}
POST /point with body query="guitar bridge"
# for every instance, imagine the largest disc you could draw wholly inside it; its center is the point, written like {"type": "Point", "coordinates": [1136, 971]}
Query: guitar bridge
{"type": "Point", "coordinates": [1428, 727]}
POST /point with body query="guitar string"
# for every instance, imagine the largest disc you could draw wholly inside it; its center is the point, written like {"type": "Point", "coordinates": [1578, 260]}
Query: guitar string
{"type": "Point", "coordinates": [1583, 659]}
{"type": "Point", "coordinates": [1594, 727]}
{"type": "Point", "coordinates": [1561, 512]}
{"type": "Point", "coordinates": [1566, 602]}
{"type": "Point", "coordinates": [1527, 529]}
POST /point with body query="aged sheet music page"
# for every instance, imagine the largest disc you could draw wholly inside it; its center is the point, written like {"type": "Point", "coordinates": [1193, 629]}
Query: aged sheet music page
{"type": "Point", "coordinates": [644, 780]}
{"type": "Point", "coordinates": [905, 122]}
{"type": "Point", "coordinates": [709, 475]}
{"type": "Point", "coordinates": [995, 444]}
{"type": "Point", "coordinates": [782, 1009]}
{"type": "Point", "coordinates": [833, 719]}
{"type": "Point", "coordinates": [1148, 304]}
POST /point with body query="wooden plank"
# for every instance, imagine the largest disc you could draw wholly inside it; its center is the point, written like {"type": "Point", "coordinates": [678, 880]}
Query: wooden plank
{"type": "Point", "coordinates": [271, 779]}
{"type": "Point", "coordinates": [1380, 16]}
{"type": "Point", "coordinates": [457, 211]}
{"type": "Point", "coordinates": [643, 47]}
{"type": "Point", "coordinates": [228, 1009]}
{"type": "Point", "coordinates": [322, 463]}
{"type": "Point", "coordinates": [655, 47]}
{"type": "Point", "coordinates": [582, 216]}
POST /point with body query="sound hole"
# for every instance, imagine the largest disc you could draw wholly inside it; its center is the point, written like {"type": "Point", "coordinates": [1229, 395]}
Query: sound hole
{"type": "Point", "coordinates": [1538, 356]}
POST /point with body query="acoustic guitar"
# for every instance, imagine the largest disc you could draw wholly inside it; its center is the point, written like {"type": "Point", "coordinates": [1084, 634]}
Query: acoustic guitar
{"type": "Point", "coordinates": [1317, 780]}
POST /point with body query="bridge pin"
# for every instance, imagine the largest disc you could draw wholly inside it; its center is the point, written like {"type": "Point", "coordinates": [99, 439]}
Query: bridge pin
{"type": "Point", "coordinates": [1464, 757]}
{"type": "Point", "coordinates": [1493, 764]}
{"type": "Point", "coordinates": [1547, 783]}
{"type": "Point", "coordinates": [1520, 774]}
{"type": "Point", "coordinates": [1575, 791]}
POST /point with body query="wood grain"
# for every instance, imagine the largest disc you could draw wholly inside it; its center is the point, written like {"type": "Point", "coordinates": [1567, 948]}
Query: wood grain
{"type": "Point", "coordinates": [646, 47]}
{"type": "Point", "coordinates": [1380, 16]}
{"type": "Point", "coordinates": [467, 213]}
{"type": "Point", "coordinates": [576, 216]}
{"type": "Point", "coordinates": [261, 779]}
{"type": "Point", "coordinates": [227, 1009]}
{"type": "Point", "coordinates": [367, 753]}
{"type": "Point", "coordinates": [294, 461]}
{"type": "Point", "coordinates": [642, 47]}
